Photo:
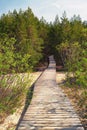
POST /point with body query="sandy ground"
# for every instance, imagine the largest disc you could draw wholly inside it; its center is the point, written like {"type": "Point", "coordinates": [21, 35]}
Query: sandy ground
{"type": "Point", "coordinates": [60, 77]}
{"type": "Point", "coordinates": [12, 120]}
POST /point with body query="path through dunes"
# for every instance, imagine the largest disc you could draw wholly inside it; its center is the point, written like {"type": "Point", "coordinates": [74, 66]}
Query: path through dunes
{"type": "Point", "coordinates": [50, 109]}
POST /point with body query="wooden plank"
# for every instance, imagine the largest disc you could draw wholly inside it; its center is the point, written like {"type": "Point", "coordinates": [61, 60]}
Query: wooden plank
{"type": "Point", "coordinates": [50, 108]}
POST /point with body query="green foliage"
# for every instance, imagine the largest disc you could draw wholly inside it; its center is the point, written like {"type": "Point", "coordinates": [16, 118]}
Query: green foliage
{"type": "Point", "coordinates": [25, 40]}
{"type": "Point", "coordinates": [22, 62]}
{"type": "Point", "coordinates": [81, 72]}
{"type": "Point", "coordinates": [6, 54]}
{"type": "Point", "coordinates": [75, 59]}
{"type": "Point", "coordinates": [20, 41]}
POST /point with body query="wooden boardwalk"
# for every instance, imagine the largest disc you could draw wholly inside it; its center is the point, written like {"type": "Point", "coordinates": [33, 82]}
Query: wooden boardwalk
{"type": "Point", "coordinates": [50, 109]}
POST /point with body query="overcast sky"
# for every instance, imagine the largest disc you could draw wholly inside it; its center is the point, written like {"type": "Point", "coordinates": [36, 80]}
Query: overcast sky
{"type": "Point", "coordinates": [47, 8]}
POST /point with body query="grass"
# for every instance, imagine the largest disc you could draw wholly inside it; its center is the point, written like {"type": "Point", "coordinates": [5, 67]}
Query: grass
{"type": "Point", "coordinates": [13, 90]}
{"type": "Point", "coordinates": [78, 97]}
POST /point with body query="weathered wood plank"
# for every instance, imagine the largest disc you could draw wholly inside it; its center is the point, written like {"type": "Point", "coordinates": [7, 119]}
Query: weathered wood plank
{"type": "Point", "coordinates": [50, 108]}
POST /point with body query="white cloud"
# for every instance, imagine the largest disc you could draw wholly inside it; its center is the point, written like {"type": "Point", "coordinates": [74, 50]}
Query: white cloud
{"type": "Point", "coordinates": [56, 5]}
{"type": "Point", "coordinates": [48, 9]}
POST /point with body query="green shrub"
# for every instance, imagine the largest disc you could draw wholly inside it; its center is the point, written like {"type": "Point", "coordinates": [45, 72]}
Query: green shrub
{"type": "Point", "coordinates": [6, 55]}
{"type": "Point", "coordinates": [75, 59]}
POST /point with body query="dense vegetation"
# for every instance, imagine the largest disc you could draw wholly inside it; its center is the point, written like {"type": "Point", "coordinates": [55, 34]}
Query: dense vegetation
{"type": "Point", "coordinates": [19, 41]}
{"type": "Point", "coordinates": [25, 41]}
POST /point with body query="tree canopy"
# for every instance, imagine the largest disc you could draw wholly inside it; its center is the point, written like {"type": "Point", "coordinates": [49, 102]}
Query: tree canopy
{"type": "Point", "coordinates": [25, 40]}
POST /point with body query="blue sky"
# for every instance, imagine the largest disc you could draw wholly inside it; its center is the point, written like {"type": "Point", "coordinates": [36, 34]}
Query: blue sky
{"type": "Point", "coordinates": [6, 5]}
{"type": "Point", "coordinates": [47, 8]}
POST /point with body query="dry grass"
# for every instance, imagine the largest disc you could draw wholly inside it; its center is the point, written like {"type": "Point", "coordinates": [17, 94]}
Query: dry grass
{"type": "Point", "coordinates": [13, 90]}
{"type": "Point", "coordinates": [77, 95]}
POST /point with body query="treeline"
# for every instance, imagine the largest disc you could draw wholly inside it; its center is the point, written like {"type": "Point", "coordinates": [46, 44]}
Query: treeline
{"type": "Point", "coordinates": [20, 43]}
{"type": "Point", "coordinates": [25, 40]}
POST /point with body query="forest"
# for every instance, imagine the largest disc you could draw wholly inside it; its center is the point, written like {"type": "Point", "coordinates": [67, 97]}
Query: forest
{"type": "Point", "coordinates": [26, 41]}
